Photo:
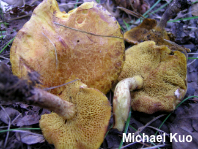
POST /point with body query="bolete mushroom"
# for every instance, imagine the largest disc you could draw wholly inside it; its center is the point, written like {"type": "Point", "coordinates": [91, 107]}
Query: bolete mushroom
{"type": "Point", "coordinates": [164, 81]}
{"type": "Point", "coordinates": [85, 43]}
{"type": "Point", "coordinates": [82, 113]}
{"type": "Point", "coordinates": [88, 126]}
{"type": "Point", "coordinates": [146, 31]}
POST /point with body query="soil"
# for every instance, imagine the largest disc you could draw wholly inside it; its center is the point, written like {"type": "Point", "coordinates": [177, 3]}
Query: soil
{"type": "Point", "coordinates": [184, 120]}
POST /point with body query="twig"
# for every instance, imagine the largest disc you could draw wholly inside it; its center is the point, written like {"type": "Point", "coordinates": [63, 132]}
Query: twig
{"type": "Point", "coordinates": [131, 12]}
{"type": "Point", "coordinates": [7, 135]}
{"type": "Point", "coordinates": [20, 17]}
{"type": "Point", "coordinates": [4, 57]}
{"type": "Point", "coordinates": [33, 2]}
{"type": "Point", "coordinates": [143, 127]}
{"type": "Point", "coordinates": [175, 7]}
{"type": "Point", "coordinates": [61, 5]}
{"type": "Point", "coordinates": [47, 89]}
{"type": "Point", "coordinates": [129, 145]}
{"type": "Point", "coordinates": [154, 147]}
{"type": "Point", "coordinates": [16, 118]}
{"type": "Point", "coordinates": [191, 62]}
{"type": "Point", "coordinates": [191, 53]}
{"type": "Point", "coordinates": [159, 130]}
{"type": "Point", "coordinates": [143, 143]}
{"type": "Point", "coordinates": [87, 32]}
{"type": "Point", "coordinates": [54, 50]}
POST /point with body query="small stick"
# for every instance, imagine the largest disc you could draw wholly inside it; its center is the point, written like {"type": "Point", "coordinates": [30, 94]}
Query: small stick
{"type": "Point", "coordinates": [14, 89]}
{"type": "Point", "coordinates": [54, 50]}
{"type": "Point", "coordinates": [87, 32]}
{"type": "Point", "coordinates": [175, 7]}
{"type": "Point", "coordinates": [135, 14]}
{"type": "Point", "coordinates": [50, 88]}
{"type": "Point", "coordinates": [9, 120]}
{"type": "Point", "coordinates": [66, 4]}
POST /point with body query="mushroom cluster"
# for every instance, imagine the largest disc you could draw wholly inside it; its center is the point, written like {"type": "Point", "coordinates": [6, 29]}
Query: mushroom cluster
{"type": "Point", "coordinates": [85, 43]}
{"type": "Point", "coordinates": [154, 71]}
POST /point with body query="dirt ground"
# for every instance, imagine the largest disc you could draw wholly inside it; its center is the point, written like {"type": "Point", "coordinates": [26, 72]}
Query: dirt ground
{"type": "Point", "coordinates": [184, 120]}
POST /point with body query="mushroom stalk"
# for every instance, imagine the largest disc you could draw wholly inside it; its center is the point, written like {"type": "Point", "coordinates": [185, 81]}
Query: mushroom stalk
{"type": "Point", "coordinates": [52, 102]}
{"type": "Point", "coordinates": [122, 99]}
{"type": "Point", "coordinates": [19, 90]}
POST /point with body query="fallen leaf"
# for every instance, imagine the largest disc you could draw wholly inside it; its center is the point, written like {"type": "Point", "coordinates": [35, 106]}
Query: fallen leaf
{"type": "Point", "coordinates": [194, 8]}
{"type": "Point", "coordinates": [28, 120]}
{"type": "Point", "coordinates": [7, 113]}
{"type": "Point", "coordinates": [140, 6]}
{"type": "Point", "coordinates": [30, 138]}
{"type": "Point", "coordinates": [185, 125]}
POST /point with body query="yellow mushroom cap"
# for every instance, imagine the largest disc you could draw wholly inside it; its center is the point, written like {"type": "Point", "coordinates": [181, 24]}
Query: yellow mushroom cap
{"type": "Point", "coordinates": [58, 53]}
{"type": "Point", "coordinates": [86, 130]}
{"type": "Point", "coordinates": [164, 76]}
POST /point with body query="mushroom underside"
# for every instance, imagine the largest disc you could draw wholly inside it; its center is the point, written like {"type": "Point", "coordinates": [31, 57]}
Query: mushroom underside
{"type": "Point", "coordinates": [92, 117]}
{"type": "Point", "coordinates": [164, 78]}
{"type": "Point", "coordinates": [164, 73]}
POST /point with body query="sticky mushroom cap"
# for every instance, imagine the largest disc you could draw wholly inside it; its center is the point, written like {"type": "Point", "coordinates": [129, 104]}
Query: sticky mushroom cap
{"type": "Point", "coordinates": [87, 128]}
{"type": "Point", "coordinates": [58, 53]}
{"type": "Point", "coordinates": [164, 76]}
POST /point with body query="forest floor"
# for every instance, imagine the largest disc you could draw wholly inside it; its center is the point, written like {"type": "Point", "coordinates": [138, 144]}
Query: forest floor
{"type": "Point", "coordinates": [184, 120]}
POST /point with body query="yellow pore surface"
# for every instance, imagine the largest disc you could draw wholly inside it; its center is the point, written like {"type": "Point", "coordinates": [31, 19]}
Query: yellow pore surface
{"type": "Point", "coordinates": [86, 130]}
{"type": "Point", "coordinates": [163, 72]}
{"type": "Point", "coordinates": [60, 53]}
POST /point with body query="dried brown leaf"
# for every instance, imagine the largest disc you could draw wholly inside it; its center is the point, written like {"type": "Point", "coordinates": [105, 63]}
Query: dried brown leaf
{"type": "Point", "coordinates": [140, 6]}
{"type": "Point", "coordinates": [194, 8]}
{"type": "Point", "coordinates": [30, 138]}
{"type": "Point", "coordinates": [184, 124]}
{"type": "Point", "coordinates": [8, 113]}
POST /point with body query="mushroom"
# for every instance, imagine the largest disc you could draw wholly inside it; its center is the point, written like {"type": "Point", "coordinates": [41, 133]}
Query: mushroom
{"type": "Point", "coordinates": [88, 126]}
{"type": "Point", "coordinates": [82, 113]}
{"type": "Point", "coordinates": [145, 31]}
{"type": "Point", "coordinates": [149, 29]}
{"type": "Point", "coordinates": [122, 99]}
{"type": "Point", "coordinates": [164, 81]}
{"type": "Point", "coordinates": [85, 43]}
